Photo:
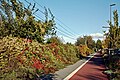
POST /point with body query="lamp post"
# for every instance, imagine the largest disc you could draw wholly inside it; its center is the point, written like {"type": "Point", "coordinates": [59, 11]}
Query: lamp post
{"type": "Point", "coordinates": [0, 20]}
{"type": "Point", "coordinates": [111, 22]}
{"type": "Point", "coordinates": [110, 11]}
{"type": "Point", "coordinates": [109, 28]}
{"type": "Point", "coordinates": [110, 43]}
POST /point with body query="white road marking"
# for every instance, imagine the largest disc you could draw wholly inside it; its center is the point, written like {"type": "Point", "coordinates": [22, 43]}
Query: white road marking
{"type": "Point", "coordinates": [70, 75]}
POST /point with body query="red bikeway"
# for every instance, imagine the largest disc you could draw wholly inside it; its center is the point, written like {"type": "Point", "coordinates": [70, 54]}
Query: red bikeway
{"type": "Point", "coordinates": [92, 70]}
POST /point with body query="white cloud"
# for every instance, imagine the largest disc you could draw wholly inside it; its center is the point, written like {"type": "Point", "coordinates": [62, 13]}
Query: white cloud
{"type": "Point", "coordinates": [97, 36]}
{"type": "Point", "coordinates": [65, 39]}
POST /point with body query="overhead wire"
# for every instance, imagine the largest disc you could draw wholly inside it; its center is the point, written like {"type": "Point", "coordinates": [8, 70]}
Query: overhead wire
{"type": "Point", "coordinates": [64, 31]}
{"type": "Point", "coordinates": [59, 21]}
{"type": "Point", "coordinates": [35, 7]}
{"type": "Point", "coordinates": [38, 10]}
{"type": "Point", "coordinates": [66, 26]}
{"type": "Point", "coordinates": [39, 17]}
{"type": "Point", "coordinates": [68, 33]}
{"type": "Point", "coordinates": [38, 4]}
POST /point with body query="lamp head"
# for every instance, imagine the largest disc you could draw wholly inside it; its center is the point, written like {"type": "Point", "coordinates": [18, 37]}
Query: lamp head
{"type": "Point", "coordinates": [112, 4]}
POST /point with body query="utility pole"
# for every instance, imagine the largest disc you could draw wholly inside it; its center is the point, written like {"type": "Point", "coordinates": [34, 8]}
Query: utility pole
{"type": "Point", "coordinates": [85, 40]}
{"type": "Point", "coordinates": [0, 20]}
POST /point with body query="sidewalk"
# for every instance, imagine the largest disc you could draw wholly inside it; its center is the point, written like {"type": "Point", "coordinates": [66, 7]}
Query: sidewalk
{"type": "Point", "coordinates": [92, 70]}
{"type": "Point", "coordinates": [63, 73]}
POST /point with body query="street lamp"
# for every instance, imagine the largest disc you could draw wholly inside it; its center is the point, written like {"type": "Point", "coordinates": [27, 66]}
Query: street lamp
{"type": "Point", "coordinates": [110, 19]}
{"type": "Point", "coordinates": [111, 22]}
{"type": "Point", "coordinates": [0, 20]}
{"type": "Point", "coordinates": [110, 11]}
{"type": "Point", "coordinates": [109, 28]}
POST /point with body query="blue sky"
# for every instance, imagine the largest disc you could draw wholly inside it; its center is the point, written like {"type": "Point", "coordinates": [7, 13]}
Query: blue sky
{"type": "Point", "coordinates": [83, 17]}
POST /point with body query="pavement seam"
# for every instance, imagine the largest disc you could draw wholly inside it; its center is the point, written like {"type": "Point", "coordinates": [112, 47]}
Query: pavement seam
{"type": "Point", "coordinates": [76, 70]}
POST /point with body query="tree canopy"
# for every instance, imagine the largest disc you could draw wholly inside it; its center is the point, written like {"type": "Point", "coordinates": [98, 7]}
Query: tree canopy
{"type": "Point", "coordinates": [113, 36]}
{"type": "Point", "coordinates": [19, 21]}
{"type": "Point", "coordinates": [86, 40]}
{"type": "Point", "coordinates": [99, 44]}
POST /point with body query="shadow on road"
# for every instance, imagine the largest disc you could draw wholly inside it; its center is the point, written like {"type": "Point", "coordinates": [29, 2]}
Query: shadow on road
{"type": "Point", "coordinates": [93, 70]}
{"type": "Point", "coordinates": [92, 77]}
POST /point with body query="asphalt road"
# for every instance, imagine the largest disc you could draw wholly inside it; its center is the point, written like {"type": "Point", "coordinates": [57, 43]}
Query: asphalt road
{"type": "Point", "coordinates": [92, 70]}
{"type": "Point", "coordinates": [63, 73]}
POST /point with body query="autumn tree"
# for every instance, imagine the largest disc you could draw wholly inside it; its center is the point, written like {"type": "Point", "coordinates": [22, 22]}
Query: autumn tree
{"type": "Point", "coordinates": [19, 21]}
{"type": "Point", "coordinates": [113, 36]}
{"type": "Point", "coordinates": [90, 42]}
{"type": "Point", "coordinates": [86, 40]}
{"type": "Point", "coordinates": [79, 41]}
{"type": "Point", "coordinates": [99, 44]}
{"type": "Point", "coordinates": [54, 39]}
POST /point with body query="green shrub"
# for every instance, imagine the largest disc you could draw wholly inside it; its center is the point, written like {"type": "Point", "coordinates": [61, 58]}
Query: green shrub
{"type": "Point", "coordinates": [25, 58]}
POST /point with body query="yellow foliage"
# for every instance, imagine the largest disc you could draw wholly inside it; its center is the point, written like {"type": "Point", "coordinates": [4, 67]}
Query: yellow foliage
{"type": "Point", "coordinates": [84, 50]}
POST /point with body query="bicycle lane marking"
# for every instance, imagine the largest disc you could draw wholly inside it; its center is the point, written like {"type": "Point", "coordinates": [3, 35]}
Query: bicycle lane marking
{"type": "Point", "coordinates": [76, 70]}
